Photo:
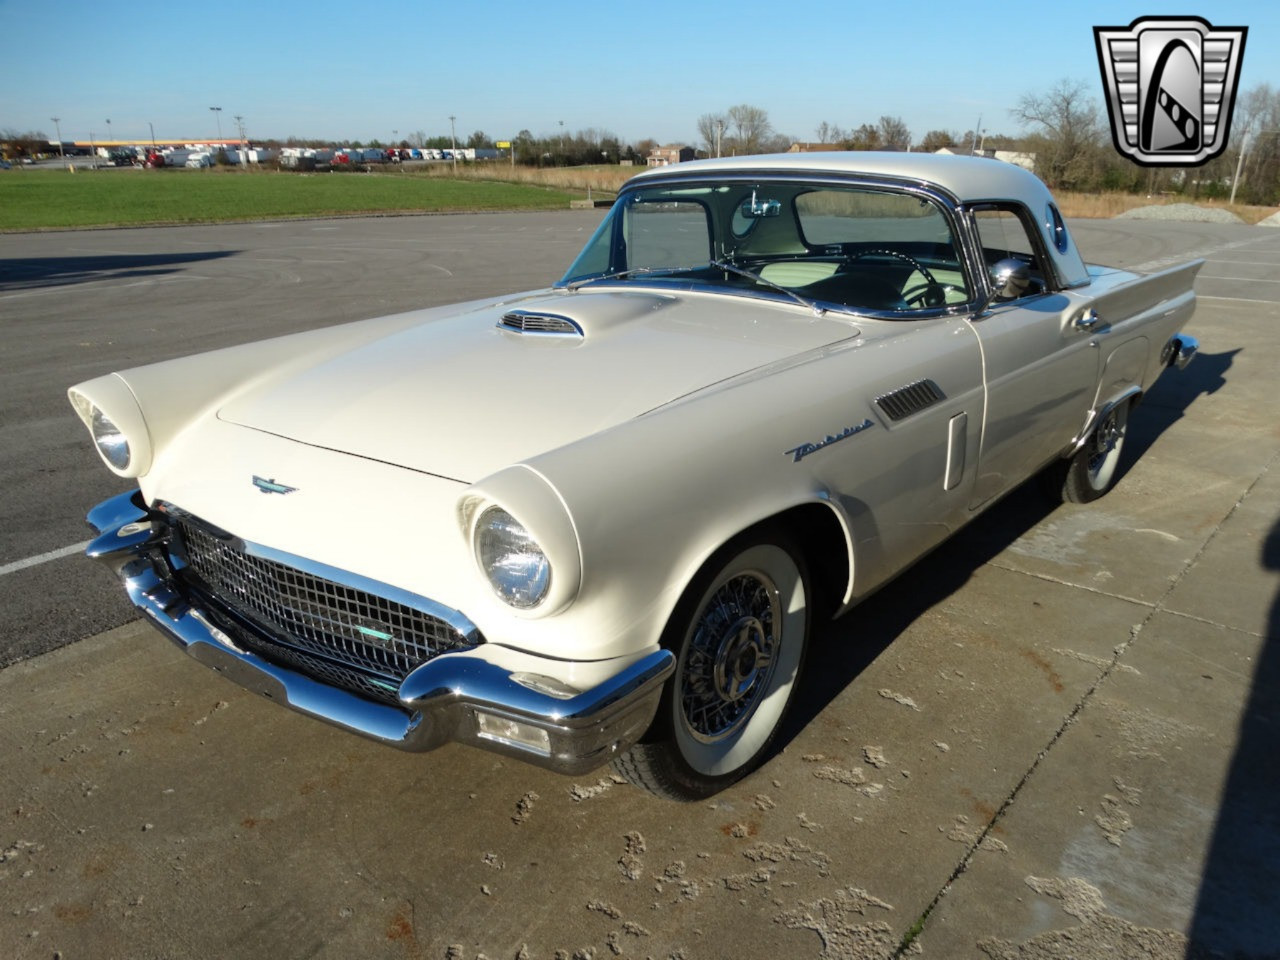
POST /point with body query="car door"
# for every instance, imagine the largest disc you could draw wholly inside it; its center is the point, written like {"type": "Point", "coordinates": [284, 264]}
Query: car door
{"type": "Point", "coordinates": [1040, 361]}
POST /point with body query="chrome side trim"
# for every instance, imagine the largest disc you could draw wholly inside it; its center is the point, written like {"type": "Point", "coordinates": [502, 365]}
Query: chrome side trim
{"type": "Point", "coordinates": [1097, 416]}
{"type": "Point", "coordinates": [957, 435]}
{"type": "Point", "coordinates": [439, 701]}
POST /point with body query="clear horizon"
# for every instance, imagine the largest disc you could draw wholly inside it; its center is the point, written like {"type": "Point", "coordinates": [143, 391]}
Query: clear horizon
{"type": "Point", "coordinates": [343, 72]}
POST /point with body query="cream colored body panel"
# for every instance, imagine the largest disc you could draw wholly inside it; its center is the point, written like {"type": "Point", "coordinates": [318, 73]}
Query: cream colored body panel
{"type": "Point", "coordinates": [677, 421]}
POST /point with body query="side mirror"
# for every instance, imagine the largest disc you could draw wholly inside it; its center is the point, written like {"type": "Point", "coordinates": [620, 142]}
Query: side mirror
{"type": "Point", "coordinates": [1010, 279]}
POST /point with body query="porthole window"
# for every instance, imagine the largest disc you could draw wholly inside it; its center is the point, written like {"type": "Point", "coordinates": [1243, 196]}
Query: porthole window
{"type": "Point", "coordinates": [1057, 230]}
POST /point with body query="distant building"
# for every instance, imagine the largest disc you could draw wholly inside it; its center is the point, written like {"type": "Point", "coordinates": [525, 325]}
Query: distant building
{"type": "Point", "coordinates": [1027, 161]}
{"type": "Point", "coordinates": [665, 156]}
{"type": "Point", "coordinates": [814, 147]}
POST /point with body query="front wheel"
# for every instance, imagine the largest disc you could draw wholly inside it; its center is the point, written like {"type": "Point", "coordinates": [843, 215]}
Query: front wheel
{"type": "Point", "coordinates": [739, 635]}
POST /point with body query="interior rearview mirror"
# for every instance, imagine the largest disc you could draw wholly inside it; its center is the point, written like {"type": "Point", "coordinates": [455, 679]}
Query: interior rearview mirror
{"type": "Point", "coordinates": [756, 208]}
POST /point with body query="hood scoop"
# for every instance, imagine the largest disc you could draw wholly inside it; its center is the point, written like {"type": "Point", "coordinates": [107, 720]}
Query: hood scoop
{"type": "Point", "coordinates": [535, 323]}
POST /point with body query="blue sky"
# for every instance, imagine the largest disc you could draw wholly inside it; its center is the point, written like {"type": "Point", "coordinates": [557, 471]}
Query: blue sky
{"type": "Point", "coordinates": [357, 70]}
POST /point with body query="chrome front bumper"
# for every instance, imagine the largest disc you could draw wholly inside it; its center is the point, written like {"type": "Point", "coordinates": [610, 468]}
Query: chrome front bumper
{"type": "Point", "coordinates": [458, 696]}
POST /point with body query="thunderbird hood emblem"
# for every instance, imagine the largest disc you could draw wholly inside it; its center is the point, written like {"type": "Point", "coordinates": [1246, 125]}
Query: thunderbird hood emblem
{"type": "Point", "coordinates": [270, 486]}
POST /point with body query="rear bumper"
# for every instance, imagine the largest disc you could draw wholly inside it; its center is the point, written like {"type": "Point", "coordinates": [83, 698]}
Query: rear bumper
{"type": "Point", "coordinates": [456, 697]}
{"type": "Point", "coordinates": [1180, 350]}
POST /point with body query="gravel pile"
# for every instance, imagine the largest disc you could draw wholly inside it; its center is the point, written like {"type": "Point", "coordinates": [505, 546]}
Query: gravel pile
{"type": "Point", "coordinates": [1271, 221]}
{"type": "Point", "coordinates": [1180, 211]}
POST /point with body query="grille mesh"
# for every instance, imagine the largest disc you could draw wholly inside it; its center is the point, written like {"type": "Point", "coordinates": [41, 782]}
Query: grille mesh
{"type": "Point", "coordinates": [332, 631]}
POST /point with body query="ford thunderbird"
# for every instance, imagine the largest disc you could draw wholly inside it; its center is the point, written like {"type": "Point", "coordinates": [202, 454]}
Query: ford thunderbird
{"type": "Point", "coordinates": [596, 523]}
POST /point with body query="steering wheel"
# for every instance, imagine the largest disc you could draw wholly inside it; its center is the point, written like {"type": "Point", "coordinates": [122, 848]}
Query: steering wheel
{"type": "Point", "coordinates": [930, 294]}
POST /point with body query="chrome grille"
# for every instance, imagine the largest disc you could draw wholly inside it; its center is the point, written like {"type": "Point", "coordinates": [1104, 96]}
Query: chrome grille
{"type": "Point", "coordinates": [355, 638]}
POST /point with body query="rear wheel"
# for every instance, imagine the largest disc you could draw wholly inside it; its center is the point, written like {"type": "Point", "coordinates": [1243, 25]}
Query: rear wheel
{"type": "Point", "coordinates": [1093, 470]}
{"type": "Point", "coordinates": [739, 636]}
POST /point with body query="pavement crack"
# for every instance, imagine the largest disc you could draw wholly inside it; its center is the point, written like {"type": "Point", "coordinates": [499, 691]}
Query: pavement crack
{"type": "Point", "coordinates": [914, 931]}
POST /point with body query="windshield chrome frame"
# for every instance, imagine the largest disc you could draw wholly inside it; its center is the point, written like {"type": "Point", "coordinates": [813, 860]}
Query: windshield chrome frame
{"type": "Point", "coordinates": [949, 205]}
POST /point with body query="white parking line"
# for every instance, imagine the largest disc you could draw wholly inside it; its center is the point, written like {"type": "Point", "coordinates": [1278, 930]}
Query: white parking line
{"type": "Point", "coordinates": [1210, 276]}
{"type": "Point", "coordinates": [1200, 296]}
{"type": "Point", "coordinates": [43, 558]}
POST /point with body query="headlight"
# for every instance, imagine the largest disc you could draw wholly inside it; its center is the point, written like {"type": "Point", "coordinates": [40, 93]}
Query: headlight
{"type": "Point", "coordinates": [515, 565]}
{"type": "Point", "coordinates": [111, 441]}
{"type": "Point", "coordinates": [121, 436]}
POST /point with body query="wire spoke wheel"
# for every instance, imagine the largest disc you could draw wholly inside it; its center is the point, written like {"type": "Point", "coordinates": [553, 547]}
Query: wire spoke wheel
{"type": "Point", "coordinates": [739, 635]}
{"type": "Point", "coordinates": [731, 659]}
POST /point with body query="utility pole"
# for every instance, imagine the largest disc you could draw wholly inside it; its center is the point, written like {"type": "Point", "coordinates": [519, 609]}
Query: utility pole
{"type": "Point", "coordinates": [153, 134]}
{"type": "Point", "coordinates": [719, 134]}
{"type": "Point", "coordinates": [57, 123]}
{"type": "Point", "coordinates": [1244, 144]}
{"type": "Point", "coordinates": [244, 147]}
{"type": "Point", "coordinates": [453, 139]}
{"type": "Point", "coordinates": [217, 112]}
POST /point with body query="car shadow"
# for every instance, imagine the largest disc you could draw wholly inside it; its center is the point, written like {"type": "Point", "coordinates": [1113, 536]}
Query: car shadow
{"type": "Point", "coordinates": [1237, 911]}
{"type": "Point", "coordinates": [37, 272]}
{"type": "Point", "coordinates": [840, 651]}
{"type": "Point", "coordinates": [1167, 400]}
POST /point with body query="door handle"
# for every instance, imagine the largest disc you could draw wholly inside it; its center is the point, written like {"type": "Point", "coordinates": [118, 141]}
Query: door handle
{"type": "Point", "coordinates": [1087, 320]}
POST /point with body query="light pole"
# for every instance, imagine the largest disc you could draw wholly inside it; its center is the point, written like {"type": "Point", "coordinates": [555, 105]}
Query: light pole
{"type": "Point", "coordinates": [562, 141]}
{"type": "Point", "coordinates": [244, 147]}
{"type": "Point", "coordinates": [153, 134]}
{"type": "Point", "coordinates": [57, 123]}
{"type": "Point", "coordinates": [109, 137]}
{"type": "Point", "coordinates": [453, 139]}
{"type": "Point", "coordinates": [217, 112]}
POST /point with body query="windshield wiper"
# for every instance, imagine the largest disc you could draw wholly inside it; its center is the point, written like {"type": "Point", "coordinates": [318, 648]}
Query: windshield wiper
{"type": "Point", "coordinates": [818, 311]}
{"type": "Point", "coordinates": [573, 285]}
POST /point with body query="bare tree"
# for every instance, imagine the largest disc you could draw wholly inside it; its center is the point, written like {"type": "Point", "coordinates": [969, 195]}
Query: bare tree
{"type": "Point", "coordinates": [830, 133]}
{"type": "Point", "coordinates": [935, 140]}
{"type": "Point", "coordinates": [894, 134]}
{"type": "Point", "coordinates": [866, 137]}
{"type": "Point", "coordinates": [1067, 131]}
{"type": "Point", "coordinates": [1256, 132]}
{"type": "Point", "coordinates": [712, 128]}
{"type": "Point", "coordinates": [751, 127]}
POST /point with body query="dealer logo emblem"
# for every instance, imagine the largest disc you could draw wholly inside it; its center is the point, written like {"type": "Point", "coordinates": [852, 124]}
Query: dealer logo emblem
{"type": "Point", "coordinates": [1171, 86]}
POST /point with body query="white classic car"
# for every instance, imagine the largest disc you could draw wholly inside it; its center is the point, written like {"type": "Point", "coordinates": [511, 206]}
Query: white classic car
{"type": "Point", "coordinates": [596, 522]}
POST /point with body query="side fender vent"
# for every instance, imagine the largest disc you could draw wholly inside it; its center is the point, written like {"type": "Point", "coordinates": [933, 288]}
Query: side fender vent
{"type": "Point", "coordinates": [912, 398]}
{"type": "Point", "coordinates": [530, 323]}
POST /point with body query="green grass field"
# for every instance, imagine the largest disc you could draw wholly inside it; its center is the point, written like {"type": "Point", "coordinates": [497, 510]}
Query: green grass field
{"type": "Point", "coordinates": [42, 199]}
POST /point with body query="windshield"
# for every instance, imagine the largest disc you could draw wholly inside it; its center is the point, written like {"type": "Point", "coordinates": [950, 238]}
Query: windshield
{"type": "Point", "coordinates": [861, 248]}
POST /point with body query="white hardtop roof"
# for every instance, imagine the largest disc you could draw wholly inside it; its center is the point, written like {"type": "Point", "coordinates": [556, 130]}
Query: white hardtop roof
{"type": "Point", "coordinates": [967, 178]}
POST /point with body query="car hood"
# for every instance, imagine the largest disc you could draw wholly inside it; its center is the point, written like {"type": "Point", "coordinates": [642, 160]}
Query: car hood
{"type": "Point", "coordinates": [461, 395]}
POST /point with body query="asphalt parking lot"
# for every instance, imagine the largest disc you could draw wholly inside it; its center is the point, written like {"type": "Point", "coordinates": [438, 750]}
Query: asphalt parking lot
{"type": "Point", "coordinates": [1054, 737]}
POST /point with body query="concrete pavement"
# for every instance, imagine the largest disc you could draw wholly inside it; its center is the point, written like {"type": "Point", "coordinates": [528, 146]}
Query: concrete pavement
{"type": "Point", "coordinates": [1054, 737]}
